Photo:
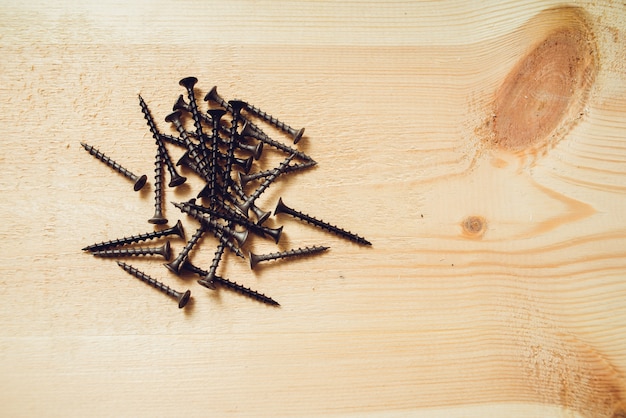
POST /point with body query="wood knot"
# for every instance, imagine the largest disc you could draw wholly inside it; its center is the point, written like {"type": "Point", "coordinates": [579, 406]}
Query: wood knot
{"type": "Point", "coordinates": [474, 226]}
{"type": "Point", "coordinates": [544, 95]}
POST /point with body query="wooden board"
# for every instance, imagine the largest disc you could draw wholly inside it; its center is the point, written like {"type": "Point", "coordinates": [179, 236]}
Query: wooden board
{"type": "Point", "coordinates": [480, 146]}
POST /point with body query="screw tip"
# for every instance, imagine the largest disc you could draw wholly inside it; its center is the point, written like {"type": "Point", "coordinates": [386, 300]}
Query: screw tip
{"type": "Point", "coordinates": [173, 116]}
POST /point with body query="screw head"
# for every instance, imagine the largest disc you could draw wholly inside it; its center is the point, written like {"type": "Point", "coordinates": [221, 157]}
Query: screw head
{"type": "Point", "coordinates": [177, 181]}
{"type": "Point", "coordinates": [141, 181]}
{"type": "Point", "coordinates": [157, 220]}
{"type": "Point", "coordinates": [184, 299]}
{"type": "Point", "coordinates": [188, 82]}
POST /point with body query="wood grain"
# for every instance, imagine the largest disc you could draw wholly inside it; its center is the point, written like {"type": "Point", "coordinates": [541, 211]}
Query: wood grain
{"type": "Point", "coordinates": [495, 285]}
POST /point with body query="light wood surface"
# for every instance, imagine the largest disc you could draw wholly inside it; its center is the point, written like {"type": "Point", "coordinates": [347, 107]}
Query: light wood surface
{"type": "Point", "coordinates": [481, 147]}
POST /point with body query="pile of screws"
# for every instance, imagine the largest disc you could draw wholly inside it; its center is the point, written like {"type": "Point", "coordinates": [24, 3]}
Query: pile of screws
{"type": "Point", "coordinates": [213, 152]}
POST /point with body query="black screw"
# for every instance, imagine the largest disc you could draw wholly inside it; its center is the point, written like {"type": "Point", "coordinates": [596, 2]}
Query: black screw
{"type": "Point", "coordinates": [158, 217]}
{"type": "Point", "coordinates": [175, 230]}
{"type": "Point", "coordinates": [209, 277]}
{"type": "Point", "coordinates": [174, 266]}
{"type": "Point", "coordinates": [295, 133]}
{"type": "Point", "coordinates": [164, 251]}
{"type": "Point", "coordinates": [140, 181]}
{"type": "Point", "coordinates": [216, 115]}
{"type": "Point", "coordinates": [183, 298]}
{"type": "Point", "coordinates": [245, 206]}
{"type": "Point", "coordinates": [176, 179]}
{"type": "Point", "coordinates": [282, 208]}
{"type": "Point", "coordinates": [246, 178]}
{"type": "Point", "coordinates": [229, 285]}
{"type": "Point", "coordinates": [257, 258]}
{"type": "Point", "coordinates": [252, 131]}
{"type": "Point", "coordinates": [235, 108]}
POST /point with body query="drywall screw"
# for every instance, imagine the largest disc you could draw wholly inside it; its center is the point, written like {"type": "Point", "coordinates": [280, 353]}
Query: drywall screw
{"type": "Point", "coordinates": [282, 208]}
{"type": "Point", "coordinates": [257, 258]}
{"type": "Point", "coordinates": [216, 115]}
{"type": "Point", "coordinates": [164, 251]}
{"type": "Point", "coordinates": [158, 217]}
{"type": "Point", "coordinates": [250, 130]}
{"type": "Point", "coordinates": [239, 236]}
{"type": "Point", "coordinates": [183, 298]}
{"type": "Point", "coordinates": [189, 83]}
{"type": "Point", "coordinates": [176, 179]}
{"type": "Point", "coordinates": [175, 230]}
{"type": "Point", "coordinates": [229, 284]}
{"type": "Point", "coordinates": [235, 108]}
{"type": "Point", "coordinates": [174, 266]}
{"type": "Point", "coordinates": [230, 215]}
{"type": "Point", "coordinates": [246, 178]}
{"type": "Point", "coordinates": [194, 152]}
{"type": "Point", "coordinates": [261, 216]}
{"type": "Point", "coordinates": [140, 181]}
{"type": "Point", "coordinates": [173, 140]}
{"type": "Point", "coordinates": [245, 206]}
{"type": "Point", "coordinates": [295, 133]}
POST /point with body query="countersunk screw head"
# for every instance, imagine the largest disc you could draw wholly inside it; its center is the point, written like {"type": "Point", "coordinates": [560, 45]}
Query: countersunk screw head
{"type": "Point", "coordinates": [188, 82]}
{"type": "Point", "coordinates": [141, 181]}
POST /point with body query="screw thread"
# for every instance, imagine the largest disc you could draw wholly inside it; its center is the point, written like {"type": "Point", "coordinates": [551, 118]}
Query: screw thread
{"type": "Point", "coordinates": [229, 284]}
{"type": "Point", "coordinates": [195, 114]}
{"type": "Point", "coordinates": [270, 119]}
{"type": "Point", "coordinates": [109, 161]}
{"type": "Point", "coordinates": [270, 179]}
{"type": "Point", "coordinates": [192, 150]}
{"type": "Point", "coordinates": [258, 212]}
{"type": "Point", "coordinates": [291, 253]}
{"type": "Point", "coordinates": [182, 297]}
{"type": "Point", "coordinates": [232, 216]}
{"type": "Point", "coordinates": [281, 207]}
{"type": "Point", "coordinates": [175, 230]}
{"type": "Point", "coordinates": [215, 136]}
{"type": "Point", "coordinates": [216, 261]}
{"type": "Point", "coordinates": [246, 178]}
{"type": "Point", "coordinates": [163, 251]}
{"type": "Point", "coordinates": [176, 178]}
{"type": "Point", "coordinates": [158, 191]}
{"type": "Point", "coordinates": [255, 132]}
